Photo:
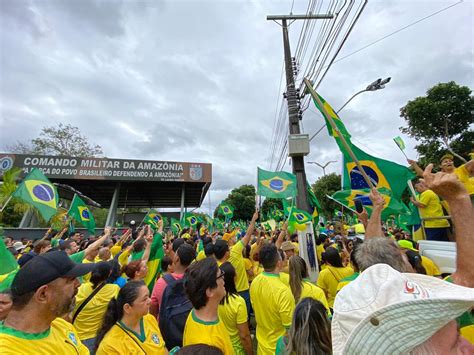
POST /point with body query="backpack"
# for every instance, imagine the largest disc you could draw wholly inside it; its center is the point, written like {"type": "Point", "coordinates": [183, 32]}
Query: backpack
{"type": "Point", "coordinates": [174, 310]}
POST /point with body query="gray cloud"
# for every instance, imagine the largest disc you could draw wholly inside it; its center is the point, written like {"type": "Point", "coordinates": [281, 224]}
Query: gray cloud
{"type": "Point", "coordinates": [198, 80]}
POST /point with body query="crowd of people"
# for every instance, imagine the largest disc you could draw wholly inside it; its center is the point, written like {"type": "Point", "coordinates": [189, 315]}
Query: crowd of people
{"type": "Point", "coordinates": [243, 291]}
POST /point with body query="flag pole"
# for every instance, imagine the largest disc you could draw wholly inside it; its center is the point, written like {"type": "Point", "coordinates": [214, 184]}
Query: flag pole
{"type": "Point", "coordinates": [400, 149]}
{"type": "Point", "coordinates": [6, 203]}
{"type": "Point", "coordinates": [329, 197]}
{"type": "Point", "coordinates": [334, 128]}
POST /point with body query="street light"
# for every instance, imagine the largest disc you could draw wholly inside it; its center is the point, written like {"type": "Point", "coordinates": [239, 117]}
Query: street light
{"type": "Point", "coordinates": [376, 85]}
{"type": "Point", "coordinates": [322, 166]}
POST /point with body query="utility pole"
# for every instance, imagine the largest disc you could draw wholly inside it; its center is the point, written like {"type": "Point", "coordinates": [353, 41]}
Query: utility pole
{"type": "Point", "coordinates": [293, 99]}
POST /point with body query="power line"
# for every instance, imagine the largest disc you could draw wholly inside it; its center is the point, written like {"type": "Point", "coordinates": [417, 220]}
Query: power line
{"type": "Point", "coordinates": [399, 30]}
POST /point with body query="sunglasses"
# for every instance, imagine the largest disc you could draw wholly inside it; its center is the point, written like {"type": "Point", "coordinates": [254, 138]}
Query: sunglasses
{"type": "Point", "coordinates": [221, 276]}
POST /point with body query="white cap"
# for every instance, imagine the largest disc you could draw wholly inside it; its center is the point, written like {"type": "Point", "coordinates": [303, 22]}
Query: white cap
{"type": "Point", "coordinates": [386, 312]}
{"type": "Point", "coordinates": [18, 246]}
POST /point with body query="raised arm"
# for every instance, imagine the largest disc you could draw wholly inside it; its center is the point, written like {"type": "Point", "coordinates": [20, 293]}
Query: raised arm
{"type": "Point", "coordinates": [149, 239]}
{"type": "Point", "coordinates": [462, 214]}
{"type": "Point", "coordinates": [250, 229]}
{"type": "Point", "coordinates": [374, 227]}
{"type": "Point", "coordinates": [282, 235]}
{"type": "Point", "coordinates": [414, 165]}
{"type": "Point", "coordinates": [98, 243]}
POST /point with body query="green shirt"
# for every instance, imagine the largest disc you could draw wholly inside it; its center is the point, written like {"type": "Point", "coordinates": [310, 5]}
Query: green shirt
{"type": "Point", "coordinates": [77, 257]}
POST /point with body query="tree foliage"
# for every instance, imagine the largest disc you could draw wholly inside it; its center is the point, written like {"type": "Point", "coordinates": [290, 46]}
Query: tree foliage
{"type": "Point", "coordinates": [327, 185]}
{"type": "Point", "coordinates": [59, 140]}
{"type": "Point", "coordinates": [439, 119]}
{"type": "Point", "coordinates": [243, 200]}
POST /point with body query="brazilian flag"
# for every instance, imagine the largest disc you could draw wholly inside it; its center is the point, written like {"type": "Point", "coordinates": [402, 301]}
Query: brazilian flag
{"type": "Point", "coordinates": [153, 219]}
{"type": "Point", "coordinates": [298, 219]}
{"type": "Point", "coordinates": [226, 210]}
{"type": "Point", "coordinates": [154, 261]}
{"type": "Point", "coordinates": [276, 184]}
{"type": "Point", "coordinates": [190, 219]}
{"type": "Point", "coordinates": [176, 227]}
{"type": "Point", "coordinates": [382, 173]}
{"type": "Point", "coordinates": [37, 191]}
{"type": "Point", "coordinates": [392, 205]}
{"type": "Point", "coordinates": [287, 206]}
{"type": "Point", "coordinates": [81, 213]}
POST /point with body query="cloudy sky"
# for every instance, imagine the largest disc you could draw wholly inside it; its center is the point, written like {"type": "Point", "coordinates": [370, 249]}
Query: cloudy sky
{"type": "Point", "coordinates": [199, 80]}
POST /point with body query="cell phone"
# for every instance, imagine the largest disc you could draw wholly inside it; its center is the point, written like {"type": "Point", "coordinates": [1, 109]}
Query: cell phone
{"type": "Point", "coordinates": [358, 205]}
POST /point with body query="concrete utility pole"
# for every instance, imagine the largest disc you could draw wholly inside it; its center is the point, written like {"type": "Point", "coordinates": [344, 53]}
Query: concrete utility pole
{"type": "Point", "coordinates": [292, 98]}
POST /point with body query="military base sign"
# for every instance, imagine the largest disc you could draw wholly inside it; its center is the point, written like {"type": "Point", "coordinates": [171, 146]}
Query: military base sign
{"type": "Point", "coordinates": [58, 167]}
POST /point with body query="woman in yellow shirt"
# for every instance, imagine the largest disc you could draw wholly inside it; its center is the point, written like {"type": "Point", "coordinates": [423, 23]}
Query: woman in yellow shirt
{"type": "Point", "coordinates": [233, 312]}
{"type": "Point", "coordinates": [128, 328]}
{"type": "Point", "coordinates": [300, 285]}
{"type": "Point", "coordinates": [333, 273]}
{"type": "Point", "coordinates": [88, 321]}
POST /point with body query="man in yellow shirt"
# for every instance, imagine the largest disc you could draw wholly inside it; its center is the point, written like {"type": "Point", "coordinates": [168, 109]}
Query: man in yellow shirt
{"type": "Point", "coordinates": [430, 206]}
{"type": "Point", "coordinates": [42, 292]}
{"type": "Point", "coordinates": [205, 289]}
{"type": "Point", "coordinates": [272, 301]}
{"type": "Point", "coordinates": [237, 260]}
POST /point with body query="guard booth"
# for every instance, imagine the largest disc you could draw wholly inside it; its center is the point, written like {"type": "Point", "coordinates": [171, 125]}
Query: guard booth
{"type": "Point", "coordinates": [119, 183]}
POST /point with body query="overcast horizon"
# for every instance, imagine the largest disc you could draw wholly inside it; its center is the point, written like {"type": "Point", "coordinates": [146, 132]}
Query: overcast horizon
{"type": "Point", "coordinates": [198, 81]}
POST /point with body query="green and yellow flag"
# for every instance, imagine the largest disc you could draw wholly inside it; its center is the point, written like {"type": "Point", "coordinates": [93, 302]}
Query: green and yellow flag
{"type": "Point", "coordinates": [176, 226]}
{"type": "Point", "coordinates": [37, 191]}
{"type": "Point", "coordinates": [81, 213]}
{"type": "Point", "coordinates": [154, 261]}
{"type": "Point", "coordinates": [276, 184]}
{"type": "Point", "coordinates": [392, 205]}
{"type": "Point", "coordinates": [226, 210]}
{"type": "Point", "coordinates": [298, 219]}
{"type": "Point", "coordinates": [399, 141]}
{"type": "Point", "coordinates": [153, 219]}
{"type": "Point", "coordinates": [382, 173]}
{"type": "Point", "coordinates": [190, 220]}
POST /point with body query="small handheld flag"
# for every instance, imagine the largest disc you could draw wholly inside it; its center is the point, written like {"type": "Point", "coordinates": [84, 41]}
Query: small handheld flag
{"type": "Point", "coordinates": [81, 213]}
{"type": "Point", "coordinates": [401, 144]}
{"type": "Point", "coordinates": [153, 219]}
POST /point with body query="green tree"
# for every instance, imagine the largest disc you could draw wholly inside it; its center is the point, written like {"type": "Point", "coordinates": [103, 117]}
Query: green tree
{"type": "Point", "coordinates": [269, 204]}
{"type": "Point", "coordinates": [440, 121]}
{"type": "Point", "coordinates": [59, 140]}
{"type": "Point", "coordinates": [327, 185]}
{"type": "Point", "coordinates": [243, 200]}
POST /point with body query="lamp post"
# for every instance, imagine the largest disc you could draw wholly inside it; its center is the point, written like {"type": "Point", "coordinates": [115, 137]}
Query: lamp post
{"type": "Point", "coordinates": [378, 84]}
{"type": "Point", "coordinates": [323, 166]}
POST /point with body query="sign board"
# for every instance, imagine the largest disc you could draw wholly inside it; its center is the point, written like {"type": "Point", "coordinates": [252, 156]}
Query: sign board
{"type": "Point", "coordinates": [61, 167]}
{"type": "Point", "coordinates": [307, 245]}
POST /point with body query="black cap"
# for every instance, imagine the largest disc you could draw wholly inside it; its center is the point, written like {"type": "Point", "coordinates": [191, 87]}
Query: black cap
{"type": "Point", "coordinates": [44, 268]}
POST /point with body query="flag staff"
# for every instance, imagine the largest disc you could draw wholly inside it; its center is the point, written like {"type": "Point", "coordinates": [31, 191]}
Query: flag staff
{"type": "Point", "coordinates": [334, 127]}
{"type": "Point", "coordinates": [333, 199]}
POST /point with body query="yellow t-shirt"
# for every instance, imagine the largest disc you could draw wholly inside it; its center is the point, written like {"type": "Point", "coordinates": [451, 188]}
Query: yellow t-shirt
{"type": "Point", "coordinates": [89, 320]}
{"type": "Point", "coordinates": [201, 255]}
{"type": "Point", "coordinates": [249, 267]}
{"type": "Point", "coordinates": [320, 251]}
{"type": "Point", "coordinates": [346, 281]}
{"type": "Point", "coordinates": [463, 175]}
{"type": "Point", "coordinates": [60, 338]}
{"type": "Point", "coordinates": [316, 293]}
{"type": "Point", "coordinates": [285, 278]}
{"type": "Point", "coordinates": [330, 277]}
{"type": "Point", "coordinates": [115, 249]}
{"type": "Point", "coordinates": [197, 331]}
{"type": "Point", "coordinates": [433, 209]}
{"type": "Point", "coordinates": [430, 267]}
{"type": "Point", "coordinates": [237, 261]}
{"type": "Point", "coordinates": [87, 276]}
{"type": "Point", "coordinates": [232, 313]}
{"type": "Point", "coordinates": [122, 340]}
{"type": "Point", "coordinates": [273, 304]}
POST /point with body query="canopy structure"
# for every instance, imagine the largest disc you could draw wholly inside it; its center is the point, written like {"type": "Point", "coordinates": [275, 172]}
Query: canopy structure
{"type": "Point", "coordinates": [120, 183]}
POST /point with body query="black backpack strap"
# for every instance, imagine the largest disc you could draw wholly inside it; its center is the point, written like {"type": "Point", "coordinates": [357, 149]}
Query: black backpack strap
{"type": "Point", "coordinates": [86, 301]}
{"type": "Point", "coordinates": [170, 280]}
